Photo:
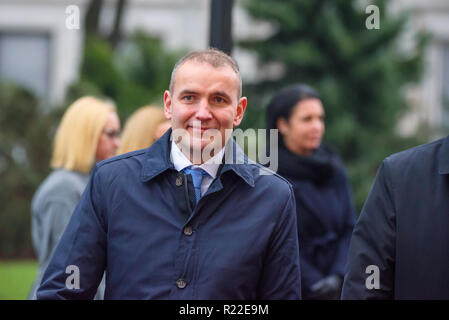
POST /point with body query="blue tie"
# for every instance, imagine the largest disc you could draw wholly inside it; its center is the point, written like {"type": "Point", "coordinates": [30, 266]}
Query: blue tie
{"type": "Point", "coordinates": [197, 178]}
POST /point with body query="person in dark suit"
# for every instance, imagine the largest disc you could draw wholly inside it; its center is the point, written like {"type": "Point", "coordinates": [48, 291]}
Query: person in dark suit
{"type": "Point", "coordinates": [164, 224]}
{"type": "Point", "coordinates": [400, 247]}
{"type": "Point", "coordinates": [325, 213]}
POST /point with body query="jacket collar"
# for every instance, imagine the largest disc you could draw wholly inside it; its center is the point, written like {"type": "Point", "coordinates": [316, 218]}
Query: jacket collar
{"type": "Point", "coordinates": [443, 157]}
{"type": "Point", "coordinates": [235, 160]}
{"type": "Point", "coordinates": [157, 160]}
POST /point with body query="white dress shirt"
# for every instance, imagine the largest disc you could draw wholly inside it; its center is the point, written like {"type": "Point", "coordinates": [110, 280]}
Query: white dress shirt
{"type": "Point", "coordinates": [211, 166]}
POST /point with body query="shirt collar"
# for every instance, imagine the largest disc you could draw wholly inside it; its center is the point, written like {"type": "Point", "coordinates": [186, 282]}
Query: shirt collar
{"type": "Point", "coordinates": [181, 162]}
{"type": "Point", "coordinates": [157, 160]}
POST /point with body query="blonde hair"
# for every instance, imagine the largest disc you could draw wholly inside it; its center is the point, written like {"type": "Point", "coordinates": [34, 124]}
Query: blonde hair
{"type": "Point", "coordinates": [140, 128]}
{"type": "Point", "coordinates": [78, 134]}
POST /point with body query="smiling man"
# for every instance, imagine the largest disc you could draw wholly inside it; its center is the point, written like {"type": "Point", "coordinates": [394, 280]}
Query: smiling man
{"type": "Point", "coordinates": [204, 102]}
{"type": "Point", "coordinates": [180, 220]}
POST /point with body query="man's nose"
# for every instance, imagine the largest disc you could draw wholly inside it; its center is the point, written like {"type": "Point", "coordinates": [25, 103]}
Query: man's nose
{"type": "Point", "coordinates": [203, 112]}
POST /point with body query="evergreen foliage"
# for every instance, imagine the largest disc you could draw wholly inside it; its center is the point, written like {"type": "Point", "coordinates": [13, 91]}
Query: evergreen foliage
{"type": "Point", "coordinates": [133, 75]}
{"type": "Point", "coordinates": [360, 73]}
{"type": "Point", "coordinates": [26, 135]}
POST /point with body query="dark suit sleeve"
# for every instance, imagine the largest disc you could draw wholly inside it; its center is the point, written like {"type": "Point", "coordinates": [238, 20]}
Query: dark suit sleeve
{"type": "Point", "coordinates": [82, 248]}
{"type": "Point", "coordinates": [281, 276]}
{"type": "Point", "coordinates": [373, 244]}
{"type": "Point", "coordinates": [347, 229]}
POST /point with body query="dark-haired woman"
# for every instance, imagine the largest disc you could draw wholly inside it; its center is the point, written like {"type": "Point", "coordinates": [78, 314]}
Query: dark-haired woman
{"type": "Point", "coordinates": [325, 213]}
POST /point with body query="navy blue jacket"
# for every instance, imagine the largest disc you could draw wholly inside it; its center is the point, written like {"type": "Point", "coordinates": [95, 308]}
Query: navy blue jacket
{"type": "Point", "coordinates": [134, 221]}
{"type": "Point", "coordinates": [401, 239]}
{"type": "Point", "coordinates": [325, 217]}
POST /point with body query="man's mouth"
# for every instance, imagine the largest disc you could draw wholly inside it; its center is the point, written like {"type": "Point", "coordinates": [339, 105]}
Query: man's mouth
{"type": "Point", "coordinates": [198, 129]}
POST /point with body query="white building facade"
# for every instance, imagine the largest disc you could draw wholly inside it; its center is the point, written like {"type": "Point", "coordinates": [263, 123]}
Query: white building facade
{"type": "Point", "coordinates": [429, 99]}
{"type": "Point", "coordinates": [39, 51]}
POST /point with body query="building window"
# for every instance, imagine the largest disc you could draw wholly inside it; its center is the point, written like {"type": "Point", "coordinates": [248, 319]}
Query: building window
{"type": "Point", "coordinates": [25, 60]}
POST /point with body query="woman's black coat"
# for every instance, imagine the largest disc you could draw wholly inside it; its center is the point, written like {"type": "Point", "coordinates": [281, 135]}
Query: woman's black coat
{"type": "Point", "coordinates": [325, 212]}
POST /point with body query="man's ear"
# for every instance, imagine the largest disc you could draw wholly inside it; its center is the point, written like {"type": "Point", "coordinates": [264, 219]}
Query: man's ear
{"type": "Point", "coordinates": [167, 105]}
{"type": "Point", "coordinates": [241, 106]}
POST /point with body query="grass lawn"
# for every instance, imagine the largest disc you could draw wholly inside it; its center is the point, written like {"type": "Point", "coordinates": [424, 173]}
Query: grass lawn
{"type": "Point", "coordinates": [16, 278]}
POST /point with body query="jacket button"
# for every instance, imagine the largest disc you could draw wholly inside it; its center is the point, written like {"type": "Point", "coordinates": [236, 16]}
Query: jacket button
{"type": "Point", "coordinates": [178, 181]}
{"type": "Point", "coordinates": [188, 231]}
{"type": "Point", "coordinates": [181, 283]}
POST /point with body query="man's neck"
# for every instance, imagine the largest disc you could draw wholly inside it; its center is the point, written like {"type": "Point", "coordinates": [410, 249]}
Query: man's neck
{"type": "Point", "coordinates": [200, 157]}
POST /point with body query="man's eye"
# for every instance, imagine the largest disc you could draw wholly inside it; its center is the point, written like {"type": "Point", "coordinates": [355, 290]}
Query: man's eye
{"type": "Point", "coordinates": [187, 98]}
{"type": "Point", "coordinates": [219, 100]}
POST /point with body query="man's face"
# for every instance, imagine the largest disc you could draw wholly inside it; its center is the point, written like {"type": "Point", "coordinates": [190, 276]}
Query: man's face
{"type": "Point", "coordinates": [206, 96]}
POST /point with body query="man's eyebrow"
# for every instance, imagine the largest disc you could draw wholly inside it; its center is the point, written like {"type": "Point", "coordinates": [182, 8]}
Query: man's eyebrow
{"type": "Point", "coordinates": [217, 93]}
{"type": "Point", "coordinates": [222, 93]}
{"type": "Point", "coordinates": [183, 92]}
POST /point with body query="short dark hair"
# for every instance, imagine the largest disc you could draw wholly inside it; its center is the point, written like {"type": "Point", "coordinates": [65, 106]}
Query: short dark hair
{"type": "Point", "coordinates": [283, 102]}
{"type": "Point", "coordinates": [216, 58]}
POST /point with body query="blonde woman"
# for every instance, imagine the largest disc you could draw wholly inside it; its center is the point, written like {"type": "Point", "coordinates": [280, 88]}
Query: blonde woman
{"type": "Point", "coordinates": [88, 133]}
{"type": "Point", "coordinates": [143, 127]}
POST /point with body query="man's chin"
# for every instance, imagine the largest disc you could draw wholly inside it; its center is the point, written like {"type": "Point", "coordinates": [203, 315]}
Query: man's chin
{"type": "Point", "coordinates": [202, 151]}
